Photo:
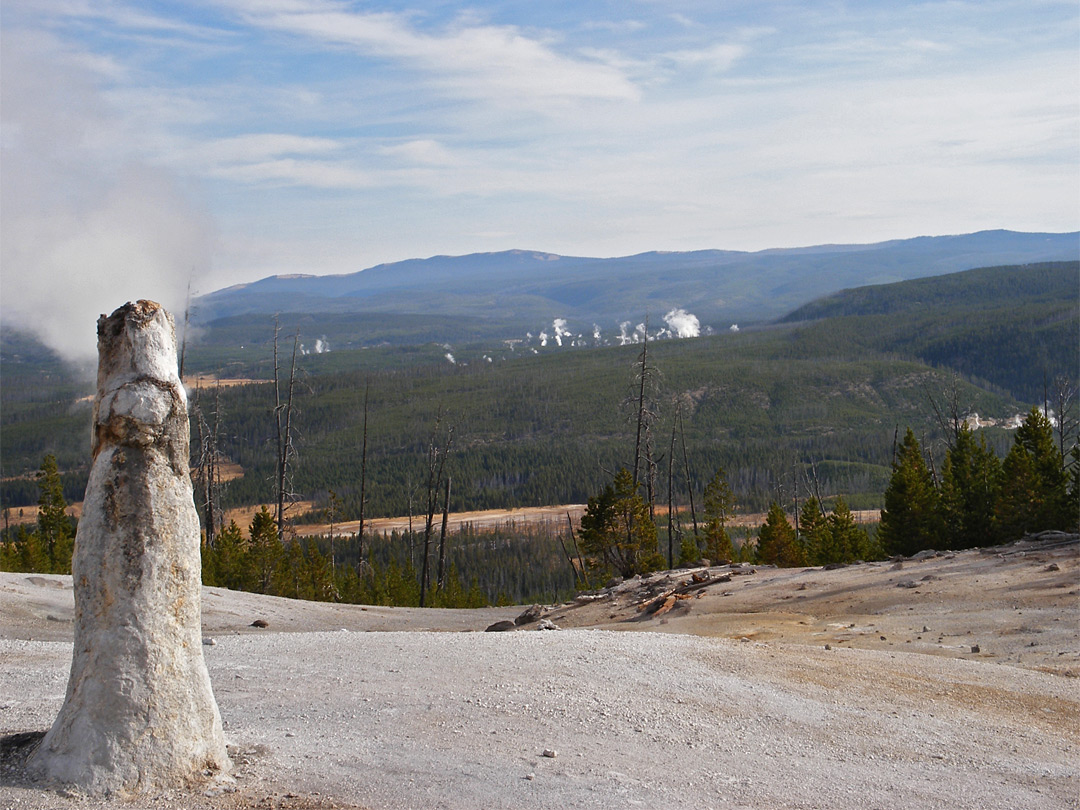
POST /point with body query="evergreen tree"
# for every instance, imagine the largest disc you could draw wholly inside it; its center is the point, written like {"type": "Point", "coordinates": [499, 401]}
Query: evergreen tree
{"type": "Point", "coordinates": [849, 539]}
{"type": "Point", "coordinates": [291, 576]}
{"type": "Point", "coordinates": [911, 520]}
{"type": "Point", "coordinates": [816, 537]}
{"type": "Point", "coordinates": [970, 482]}
{"type": "Point", "coordinates": [225, 563]}
{"type": "Point", "coordinates": [688, 550]}
{"type": "Point", "coordinates": [28, 553]}
{"type": "Point", "coordinates": [777, 544]}
{"type": "Point", "coordinates": [264, 552]}
{"type": "Point", "coordinates": [54, 525]}
{"type": "Point", "coordinates": [719, 509]}
{"type": "Point", "coordinates": [1034, 494]}
{"type": "Point", "coordinates": [616, 532]}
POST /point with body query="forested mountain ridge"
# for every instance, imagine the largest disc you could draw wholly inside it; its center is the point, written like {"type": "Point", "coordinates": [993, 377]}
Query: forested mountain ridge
{"type": "Point", "coordinates": [1044, 282]}
{"type": "Point", "coordinates": [536, 429]}
{"type": "Point", "coordinates": [1013, 326]}
{"type": "Point", "coordinates": [720, 287]}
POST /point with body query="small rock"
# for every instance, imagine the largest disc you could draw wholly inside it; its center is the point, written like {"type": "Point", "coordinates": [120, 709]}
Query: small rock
{"type": "Point", "coordinates": [210, 642]}
{"type": "Point", "coordinates": [925, 629]}
{"type": "Point", "coordinates": [974, 648]}
{"type": "Point", "coordinates": [828, 646]}
{"type": "Point", "coordinates": [259, 623]}
{"type": "Point", "coordinates": [550, 753]}
{"type": "Point", "coordinates": [531, 615]}
{"type": "Point", "coordinates": [925, 554]}
{"type": "Point", "coordinates": [907, 583]}
{"type": "Point", "coordinates": [530, 776]}
{"type": "Point", "coordinates": [500, 627]}
{"type": "Point", "coordinates": [547, 624]}
{"type": "Point", "coordinates": [744, 639]}
{"type": "Point", "coordinates": [1050, 567]}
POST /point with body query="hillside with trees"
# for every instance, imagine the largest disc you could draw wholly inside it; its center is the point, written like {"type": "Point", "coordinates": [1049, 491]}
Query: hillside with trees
{"type": "Point", "coordinates": [802, 418]}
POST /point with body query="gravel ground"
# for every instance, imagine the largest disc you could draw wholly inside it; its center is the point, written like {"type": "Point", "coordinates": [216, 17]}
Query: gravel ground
{"type": "Point", "coordinates": [462, 720]}
{"type": "Point", "coordinates": [682, 718]}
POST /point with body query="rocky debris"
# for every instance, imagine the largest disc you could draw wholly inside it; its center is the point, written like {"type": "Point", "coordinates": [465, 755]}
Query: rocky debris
{"type": "Point", "coordinates": [139, 714]}
{"type": "Point", "coordinates": [500, 627]}
{"type": "Point", "coordinates": [261, 623]}
{"type": "Point", "coordinates": [550, 753]}
{"type": "Point", "coordinates": [925, 554]}
{"type": "Point", "coordinates": [532, 614]}
{"type": "Point", "coordinates": [907, 583]}
{"type": "Point", "coordinates": [547, 624]}
{"type": "Point", "coordinates": [209, 642]}
{"type": "Point", "coordinates": [975, 648]}
{"type": "Point", "coordinates": [586, 598]}
{"type": "Point", "coordinates": [1052, 567]}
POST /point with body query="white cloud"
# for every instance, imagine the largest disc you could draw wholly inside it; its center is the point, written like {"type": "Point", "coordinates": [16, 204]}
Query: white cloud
{"type": "Point", "coordinates": [476, 60]}
{"type": "Point", "coordinates": [288, 171]}
{"type": "Point", "coordinates": [422, 151]}
{"type": "Point", "coordinates": [718, 58]}
{"type": "Point", "coordinates": [261, 146]}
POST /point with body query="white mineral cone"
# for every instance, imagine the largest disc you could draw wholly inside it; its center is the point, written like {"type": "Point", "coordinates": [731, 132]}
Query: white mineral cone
{"type": "Point", "coordinates": [139, 714]}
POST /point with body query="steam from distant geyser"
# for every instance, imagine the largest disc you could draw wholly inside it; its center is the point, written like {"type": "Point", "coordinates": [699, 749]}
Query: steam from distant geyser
{"type": "Point", "coordinates": [87, 221]}
{"type": "Point", "coordinates": [682, 323]}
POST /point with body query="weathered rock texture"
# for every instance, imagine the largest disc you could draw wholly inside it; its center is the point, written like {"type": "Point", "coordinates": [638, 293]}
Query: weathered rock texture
{"type": "Point", "coordinates": [139, 714]}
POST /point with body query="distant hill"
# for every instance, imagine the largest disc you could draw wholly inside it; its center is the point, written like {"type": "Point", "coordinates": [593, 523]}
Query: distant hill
{"type": "Point", "coordinates": [1015, 327]}
{"type": "Point", "coordinates": [525, 290]}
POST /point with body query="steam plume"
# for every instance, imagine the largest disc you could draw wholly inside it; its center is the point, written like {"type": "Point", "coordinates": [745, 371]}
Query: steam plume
{"type": "Point", "coordinates": [87, 224]}
{"type": "Point", "coordinates": [683, 324]}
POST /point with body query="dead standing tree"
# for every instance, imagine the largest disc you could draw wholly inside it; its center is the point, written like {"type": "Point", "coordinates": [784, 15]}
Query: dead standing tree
{"type": "Point", "coordinates": [441, 579]}
{"type": "Point", "coordinates": [436, 463]}
{"type": "Point", "coordinates": [283, 413]}
{"type": "Point", "coordinates": [208, 465]}
{"type": "Point", "coordinates": [643, 400]}
{"type": "Point", "coordinates": [363, 488]}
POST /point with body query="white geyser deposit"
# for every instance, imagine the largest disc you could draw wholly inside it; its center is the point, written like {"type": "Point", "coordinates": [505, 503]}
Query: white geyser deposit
{"type": "Point", "coordinates": [139, 714]}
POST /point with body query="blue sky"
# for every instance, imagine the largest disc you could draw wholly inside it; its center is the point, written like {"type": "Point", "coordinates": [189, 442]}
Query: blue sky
{"type": "Point", "coordinates": [226, 141]}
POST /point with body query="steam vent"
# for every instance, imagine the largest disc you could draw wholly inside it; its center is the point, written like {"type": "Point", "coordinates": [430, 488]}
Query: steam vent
{"type": "Point", "coordinates": [139, 714]}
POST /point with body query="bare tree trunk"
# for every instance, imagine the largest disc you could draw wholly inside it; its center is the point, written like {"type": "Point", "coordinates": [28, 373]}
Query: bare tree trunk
{"type": "Point", "coordinates": [208, 465]}
{"type": "Point", "coordinates": [442, 536]}
{"type": "Point", "coordinates": [1064, 405]}
{"type": "Point", "coordinates": [689, 483]}
{"type": "Point", "coordinates": [577, 550]}
{"type": "Point", "coordinates": [436, 462]}
{"type": "Point", "coordinates": [283, 412]}
{"type": "Point", "coordinates": [650, 474]}
{"type": "Point", "coordinates": [644, 361]}
{"type": "Point", "coordinates": [795, 477]}
{"type": "Point", "coordinates": [187, 320]}
{"type": "Point", "coordinates": [363, 487]}
{"type": "Point", "coordinates": [671, 494]}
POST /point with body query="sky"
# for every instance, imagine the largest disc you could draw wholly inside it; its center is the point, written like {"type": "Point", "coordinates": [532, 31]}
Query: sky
{"type": "Point", "coordinates": [153, 147]}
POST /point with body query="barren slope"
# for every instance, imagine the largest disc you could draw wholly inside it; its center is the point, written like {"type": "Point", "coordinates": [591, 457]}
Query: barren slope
{"type": "Point", "coordinates": [690, 717]}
